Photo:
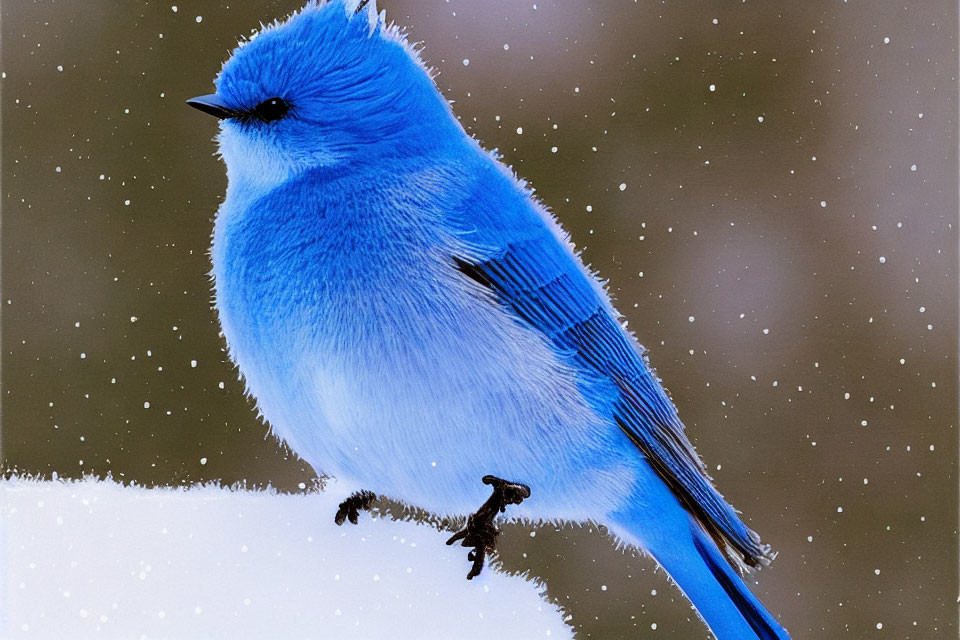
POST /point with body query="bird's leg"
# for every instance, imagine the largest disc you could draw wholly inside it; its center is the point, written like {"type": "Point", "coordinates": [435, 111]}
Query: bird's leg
{"type": "Point", "coordinates": [350, 508]}
{"type": "Point", "coordinates": [480, 532]}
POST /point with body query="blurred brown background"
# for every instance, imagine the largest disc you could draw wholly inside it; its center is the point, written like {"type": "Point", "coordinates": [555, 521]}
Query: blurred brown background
{"type": "Point", "coordinates": [790, 175]}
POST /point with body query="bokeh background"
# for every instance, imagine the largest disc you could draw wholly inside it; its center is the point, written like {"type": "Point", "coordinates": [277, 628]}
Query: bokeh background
{"type": "Point", "coordinates": [771, 188]}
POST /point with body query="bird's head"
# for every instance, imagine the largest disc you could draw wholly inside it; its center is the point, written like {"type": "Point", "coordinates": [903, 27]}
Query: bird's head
{"type": "Point", "coordinates": [330, 86]}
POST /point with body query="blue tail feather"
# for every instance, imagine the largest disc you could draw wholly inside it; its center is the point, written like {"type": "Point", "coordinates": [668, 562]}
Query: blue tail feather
{"type": "Point", "coordinates": [659, 525]}
{"type": "Point", "coordinates": [752, 610]}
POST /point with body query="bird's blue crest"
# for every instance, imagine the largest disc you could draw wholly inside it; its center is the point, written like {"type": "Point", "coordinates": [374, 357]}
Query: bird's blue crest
{"type": "Point", "coordinates": [357, 91]}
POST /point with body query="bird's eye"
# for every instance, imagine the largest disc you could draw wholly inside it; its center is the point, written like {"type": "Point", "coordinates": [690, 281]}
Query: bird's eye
{"type": "Point", "coordinates": [271, 109]}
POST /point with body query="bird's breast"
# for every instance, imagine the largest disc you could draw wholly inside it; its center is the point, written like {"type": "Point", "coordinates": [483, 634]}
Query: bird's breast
{"type": "Point", "coordinates": [379, 362]}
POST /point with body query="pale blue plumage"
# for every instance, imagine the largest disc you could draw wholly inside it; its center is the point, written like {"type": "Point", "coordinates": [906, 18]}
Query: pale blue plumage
{"type": "Point", "coordinates": [410, 319]}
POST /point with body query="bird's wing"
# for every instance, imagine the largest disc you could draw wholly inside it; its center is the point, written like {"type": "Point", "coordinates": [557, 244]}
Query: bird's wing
{"type": "Point", "coordinates": [513, 247]}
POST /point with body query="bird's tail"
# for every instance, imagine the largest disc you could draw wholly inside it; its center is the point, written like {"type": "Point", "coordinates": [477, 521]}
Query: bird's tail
{"type": "Point", "coordinates": [691, 557]}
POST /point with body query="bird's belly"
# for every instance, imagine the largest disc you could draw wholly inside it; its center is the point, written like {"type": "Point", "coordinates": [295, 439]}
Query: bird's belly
{"type": "Point", "coordinates": [421, 407]}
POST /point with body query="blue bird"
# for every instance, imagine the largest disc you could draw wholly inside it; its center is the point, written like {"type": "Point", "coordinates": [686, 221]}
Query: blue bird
{"type": "Point", "coordinates": [411, 320]}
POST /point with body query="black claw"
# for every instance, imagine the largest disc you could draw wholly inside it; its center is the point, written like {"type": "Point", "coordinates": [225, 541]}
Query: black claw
{"type": "Point", "coordinates": [480, 532]}
{"type": "Point", "coordinates": [350, 508]}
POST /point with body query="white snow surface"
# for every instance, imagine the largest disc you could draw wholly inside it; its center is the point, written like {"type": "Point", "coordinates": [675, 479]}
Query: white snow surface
{"type": "Point", "coordinates": [95, 559]}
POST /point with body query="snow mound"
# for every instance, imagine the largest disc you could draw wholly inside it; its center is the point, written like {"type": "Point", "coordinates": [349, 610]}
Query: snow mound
{"type": "Point", "coordinates": [97, 559]}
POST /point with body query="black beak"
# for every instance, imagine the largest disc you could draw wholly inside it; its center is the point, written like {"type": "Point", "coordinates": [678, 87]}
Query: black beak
{"type": "Point", "coordinates": [211, 104]}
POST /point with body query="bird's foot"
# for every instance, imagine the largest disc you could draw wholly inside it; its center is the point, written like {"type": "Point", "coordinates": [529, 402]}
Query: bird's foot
{"type": "Point", "coordinates": [350, 508]}
{"type": "Point", "coordinates": [480, 532]}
